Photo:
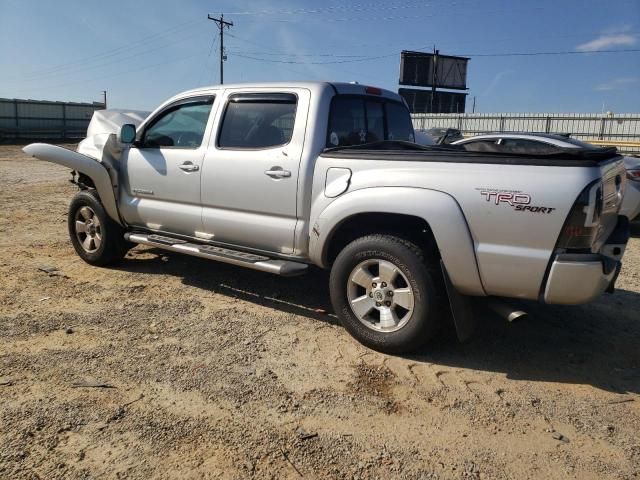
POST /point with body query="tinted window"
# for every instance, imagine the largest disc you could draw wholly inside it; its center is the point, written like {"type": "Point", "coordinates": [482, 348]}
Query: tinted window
{"type": "Point", "coordinates": [356, 120]}
{"type": "Point", "coordinates": [347, 124]}
{"type": "Point", "coordinates": [480, 146]}
{"type": "Point", "coordinates": [522, 146]}
{"type": "Point", "coordinates": [399, 126]}
{"type": "Point", "coordinates": [181, 125]}
{"type": "Point", "coordinates": [258, 121]}
{"type": "Point", "coordinates": [375, 121]}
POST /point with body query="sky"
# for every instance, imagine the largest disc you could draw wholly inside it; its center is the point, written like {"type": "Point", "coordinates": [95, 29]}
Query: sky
{"type": "Point", "coordinates": [143, 52]}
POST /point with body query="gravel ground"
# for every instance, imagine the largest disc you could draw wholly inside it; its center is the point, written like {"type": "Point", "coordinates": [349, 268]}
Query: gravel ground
{"type": "Point", "coordinates": [172, 367]}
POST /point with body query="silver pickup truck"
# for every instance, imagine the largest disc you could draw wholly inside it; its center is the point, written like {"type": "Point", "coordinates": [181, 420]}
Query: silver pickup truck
{"type": "Point", "coordinates": [277, 177]}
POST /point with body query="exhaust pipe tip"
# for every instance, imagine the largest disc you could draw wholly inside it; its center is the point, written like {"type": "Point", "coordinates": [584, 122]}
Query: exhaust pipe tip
{"type": "Point", "coordinates": [506, 311]}
{"type": "Point", "coordinates": [516, 315]}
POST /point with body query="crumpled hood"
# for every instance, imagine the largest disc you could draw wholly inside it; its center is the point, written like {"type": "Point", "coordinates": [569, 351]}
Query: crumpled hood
{"type": "Point", "coordinates": [103, 130]}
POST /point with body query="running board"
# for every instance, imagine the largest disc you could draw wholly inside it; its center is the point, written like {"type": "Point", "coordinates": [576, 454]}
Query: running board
{"type": "Point", "coordinates": [284, 268]}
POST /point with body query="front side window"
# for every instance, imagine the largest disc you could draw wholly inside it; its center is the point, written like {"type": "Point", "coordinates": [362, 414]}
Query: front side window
{"type": "Point", "coordinates": [256, 121]}
{"type": "Point", "coordinates": [181, 125]}
{"type": "Point", "coordinates": [355, 120]}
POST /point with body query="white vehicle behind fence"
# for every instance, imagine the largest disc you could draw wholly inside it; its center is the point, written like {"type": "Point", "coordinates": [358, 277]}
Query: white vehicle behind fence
{"type": "Point", "coordinates": [280, 176]}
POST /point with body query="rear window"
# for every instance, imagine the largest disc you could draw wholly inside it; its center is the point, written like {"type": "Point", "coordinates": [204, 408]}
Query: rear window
{"type": "Point", "coordinates": [355, 120]}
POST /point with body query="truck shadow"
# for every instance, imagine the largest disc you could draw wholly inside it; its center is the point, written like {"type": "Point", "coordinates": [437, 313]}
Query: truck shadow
{"type": "Point", "coordinates": [596, 344]}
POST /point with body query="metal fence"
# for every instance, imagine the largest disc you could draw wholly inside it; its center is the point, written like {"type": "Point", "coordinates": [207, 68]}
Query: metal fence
{"type": "Point", "coordinates": [621, 130]}
{"type": "Point", "coordinates": [35, 119]}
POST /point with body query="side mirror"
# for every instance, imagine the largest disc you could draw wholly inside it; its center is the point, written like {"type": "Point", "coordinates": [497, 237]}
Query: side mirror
{"type": "Point", "coordinates": [128, 133]}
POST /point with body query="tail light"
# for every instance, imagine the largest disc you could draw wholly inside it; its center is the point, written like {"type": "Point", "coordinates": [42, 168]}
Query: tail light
{"type": "Point", "coordinates": [634, 175]}
{"type": "Point", "coordinates": [583, 222]}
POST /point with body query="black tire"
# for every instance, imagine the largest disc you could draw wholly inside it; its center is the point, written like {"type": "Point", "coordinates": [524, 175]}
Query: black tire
{"type": "Point", "coordinates": [422, 275]}
{"type": "Point", "coordinates": [112, 246]}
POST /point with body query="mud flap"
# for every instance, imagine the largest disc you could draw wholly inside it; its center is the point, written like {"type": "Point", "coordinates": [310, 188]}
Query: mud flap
{"type": "Point", "coordinates": [612, 286]}
{"type": "Point", "coordinates": [461, 309]}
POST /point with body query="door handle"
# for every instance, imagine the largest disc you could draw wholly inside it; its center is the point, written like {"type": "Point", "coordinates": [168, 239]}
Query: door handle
{"type": "Point", "coordinates": [277, 172]}
{"type": "Point", "coordinates": [189, 167]}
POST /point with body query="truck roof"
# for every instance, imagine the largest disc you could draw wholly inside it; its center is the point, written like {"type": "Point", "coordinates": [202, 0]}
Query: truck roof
{"type": "Point", "coordinates": [342, 88]}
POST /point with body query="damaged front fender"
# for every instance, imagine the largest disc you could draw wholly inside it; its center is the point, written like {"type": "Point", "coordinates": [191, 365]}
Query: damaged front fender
{"type": "Point", "coordinates": [92, 168]}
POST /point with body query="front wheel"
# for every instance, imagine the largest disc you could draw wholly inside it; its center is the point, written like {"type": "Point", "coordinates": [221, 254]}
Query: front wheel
{"type": "Point", "coordinates": [96, 238]}
{"type": "Point", "coordinates": [386, 294]}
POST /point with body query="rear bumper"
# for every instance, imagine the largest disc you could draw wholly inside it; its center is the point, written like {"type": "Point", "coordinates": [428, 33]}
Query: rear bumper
{"type": "Point", "coordinates": [580, 278]}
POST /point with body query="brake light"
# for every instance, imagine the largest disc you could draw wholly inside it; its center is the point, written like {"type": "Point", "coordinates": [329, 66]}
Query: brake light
{"type": "Point", "coordinates": [373, 91]}
{"type": "Point", "coordinates": [583, 222]}
{"type": "Point", "coordinates": [634, 175]}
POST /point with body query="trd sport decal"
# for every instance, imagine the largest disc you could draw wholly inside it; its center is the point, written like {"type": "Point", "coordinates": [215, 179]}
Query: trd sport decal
{"type": "Point", "coordinates": [521, 202]}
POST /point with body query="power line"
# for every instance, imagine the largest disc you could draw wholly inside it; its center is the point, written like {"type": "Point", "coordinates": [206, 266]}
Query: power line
{"type": "Point", "coordinates": [532, 54]}
{"type": "Point", "coordinates": [284, 54]}
{"type": "Point", "coordinates": [377, 57]}
{"type": "Point", "coordinates": [374, 6]}
{"type": "Point", "coordinates": [84, 68]}
{"type": "Point", "coordinates": [205, 64]}
{"type": "Point", "coordinates": [280, 53]}
{"type": "Point", "coordinates": [116, 74]}
{"type": "Point", "coordinates": [358, 7]}
{"type": "Point", "coordinates": [297, 62]}
{"type": "Point", "coordinates": [111, 52]}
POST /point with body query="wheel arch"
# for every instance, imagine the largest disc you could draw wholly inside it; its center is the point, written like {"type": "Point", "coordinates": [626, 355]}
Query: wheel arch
{"type": "Point", "coordinates": [82, 164]}
{"type": "Point", "coordinates": [429, 218]}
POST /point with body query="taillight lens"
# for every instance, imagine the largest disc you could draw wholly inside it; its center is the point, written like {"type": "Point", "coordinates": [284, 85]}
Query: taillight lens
{"type": "Point", "coordinates": [581, 227]}
{"type": "Point", "coordinates": [634, 174]}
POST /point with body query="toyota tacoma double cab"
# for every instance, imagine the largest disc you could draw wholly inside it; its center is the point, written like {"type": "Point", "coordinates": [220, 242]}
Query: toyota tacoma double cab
{"type": "Point", "coordinates": [280, 176]}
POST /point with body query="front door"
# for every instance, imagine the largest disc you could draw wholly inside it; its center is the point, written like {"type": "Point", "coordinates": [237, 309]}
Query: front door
{"type": "Point", "coordinates": [162, 170]}
{"type": "Point", "coordinates": [250, 171]}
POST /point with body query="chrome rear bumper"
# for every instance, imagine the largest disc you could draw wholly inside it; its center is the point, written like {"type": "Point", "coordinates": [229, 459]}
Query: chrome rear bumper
{"type": "Point", "coordinates": [580, 278]}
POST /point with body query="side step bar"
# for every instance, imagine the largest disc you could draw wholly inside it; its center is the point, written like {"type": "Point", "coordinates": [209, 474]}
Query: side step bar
{"type": "Point", "coordinates": [284, 268]}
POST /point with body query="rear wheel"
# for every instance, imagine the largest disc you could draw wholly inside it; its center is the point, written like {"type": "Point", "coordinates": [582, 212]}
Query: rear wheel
{"type": "Point", "coordinates": [386, 294]}
{"type": "Point", "coordinates": [96, 238]}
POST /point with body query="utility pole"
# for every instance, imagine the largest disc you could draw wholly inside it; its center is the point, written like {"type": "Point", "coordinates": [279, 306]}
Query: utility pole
{"type": "Point", "coordinates": [474, 104]}
{"type": "Point", "coordinates": [434, 77]}
{"type": "Point", "coordinates": [221, 23]}
{"type": "Point", "coordinates": [104, 98]}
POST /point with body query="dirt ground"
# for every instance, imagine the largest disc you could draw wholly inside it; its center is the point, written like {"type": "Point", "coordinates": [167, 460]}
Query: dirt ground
{"type": "Point", "coordinates": [213, 371]}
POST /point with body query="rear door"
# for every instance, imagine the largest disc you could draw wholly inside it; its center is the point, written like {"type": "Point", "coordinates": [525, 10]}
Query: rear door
{"type": "Point", "coordinates": [162, 169]}
{"type": "Point", "coordinates": [250, 171]}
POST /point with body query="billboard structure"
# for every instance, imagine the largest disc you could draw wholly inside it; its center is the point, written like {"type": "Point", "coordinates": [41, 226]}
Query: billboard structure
{"type": "Point", "coordinates": [419, 101]}
{"type": "Point", "coordinates": [421, 69]}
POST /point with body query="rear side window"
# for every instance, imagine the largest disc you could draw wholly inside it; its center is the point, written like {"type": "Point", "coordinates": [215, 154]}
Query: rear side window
{"type": "Point", "coordinates": [257, 121]}
{"type": "Point", "coordinates": [355, 120]}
